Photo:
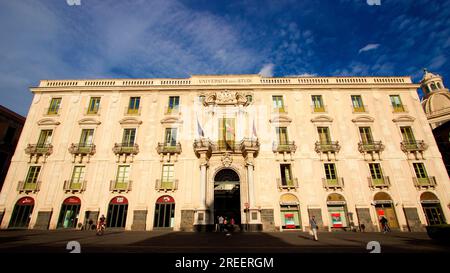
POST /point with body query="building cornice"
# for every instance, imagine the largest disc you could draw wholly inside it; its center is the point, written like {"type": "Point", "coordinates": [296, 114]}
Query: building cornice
{"type": "Point", "coordinates": [225, 81]}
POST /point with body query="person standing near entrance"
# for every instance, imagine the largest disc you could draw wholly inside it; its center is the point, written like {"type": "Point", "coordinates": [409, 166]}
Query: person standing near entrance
{"type": "Point", "coordinates": [221, 223]}
{"type": "Point", "coordinates": [313, 225]}
{"type": "Point", "coordinates": [384, 224]}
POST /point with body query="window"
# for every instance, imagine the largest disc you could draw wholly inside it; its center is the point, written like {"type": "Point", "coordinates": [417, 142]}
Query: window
{"type": "Point", "coordinates": [94, 105]}
{"type": "Point", "coordinates": [174, 102]}
{"type": "Point", "coordinates": [33, 174]}
{"type": "Point", "coordinates": [54, 106]}
{"type": "Point", "coordinates": [407, 135]}
{"type": "Point", "coordinates": [171, 137]}
{"type": "Point", "coordinates": [397, 103]}
{"type": "Point", "coordinates": [366, 135]}
{"type": "Point", "coordinates": [330, 171]}
{"type": "Point", "coordinates": [318, 103]}
{"type": "Point", "coordinates": [324, 135]}
{"type": "Point", "coordinates": [123, 174]}
{"type": "Point", "coordinates": [133, 107]}
{"type": "Point", "coordinates": [86, 137]}
{"type": "Point", "coordinates": [201, 99]}
{"type": "Point", "coordinates": [357, 103]}
{"type": "Point", "coordinates": [78, 174]}
{"type": "Point", "coordinates": [45, 138]}
{"type": "Point", "coordinates": [375, 171]}
{"type": "Point", "coordinates": [286, 175]}
{"type": "Point", "coordinates": [282, 135]}
{"type": "Point", "coordinates": [249, 99]}
{"type": "Point", "coordinates": [167, 177]}
{"type": "Point", "coordinates": [226, 133]}
{"type": "Point", "coordinates": [129, 136]}
{"type": "Point", "coordinates": [278, 103]}
{"type": "Point", "coordinates": [419, 168]}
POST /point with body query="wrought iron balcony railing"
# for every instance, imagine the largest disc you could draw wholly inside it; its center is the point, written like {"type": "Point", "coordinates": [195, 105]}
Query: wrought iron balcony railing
{"type": "Point", "coordinates": [39, 149]}
{"type": "Point", "coordinates": [163, 185]}
{"type": "Point", "coordinates": [284, 147]}
{"type": "Point", "coordinates": [337, 183]}
{"type": "Point", "coordinates": [413, 146]}
{"type": "Point", "coordinates": [74, 185]}
{"type": "Point", "coordinates": [425, 182]}
{"type": "Point", "coordinates": [120, 185]}
{"type": "Point", "coordinates": [330, 146]}
{"type": "Point", "coordinates": [168, 148]}
{"type": "Point", "coordinates": [126, 148]}
{"type": "Point", "coordinates": [287, 184]}
{"type": "Point", "coordinates": [82, 149]}
{"type": "Point", "coordinates": [24, 186]}
{"type": "Point", "coordinates": [367, 147]}
{"type": "Point", "coordinates": [382, 182]}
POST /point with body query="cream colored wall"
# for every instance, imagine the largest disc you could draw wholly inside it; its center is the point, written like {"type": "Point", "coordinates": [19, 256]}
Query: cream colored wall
{"type": "Point", "coordinates": [147, 166]}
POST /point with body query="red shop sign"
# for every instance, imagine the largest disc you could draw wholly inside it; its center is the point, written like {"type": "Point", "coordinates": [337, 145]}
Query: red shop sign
{"type": "Point", "coordinates": [119, 200]}
{"type": "Point", "coordinates": [72, 201]}
{"type": "Point", "coordinates": [26, 201]}
{"type": "Point", "coordinates": [165, 199]}
{"type": "Point", "coordinates": [380, 212]}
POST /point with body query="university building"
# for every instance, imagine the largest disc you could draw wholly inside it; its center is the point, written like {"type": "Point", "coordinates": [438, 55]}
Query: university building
{"type": "Point", "coordinates": [269, 152]}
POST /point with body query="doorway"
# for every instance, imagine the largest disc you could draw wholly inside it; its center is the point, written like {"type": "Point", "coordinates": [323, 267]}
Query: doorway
{"type": "Point", "coordinates": [22, 213]}
{"type": "Point", "coordinates": [227, 196]}
{"type": "Point", "coordinates": [68, 217]}
{"type": "Point", "coordinates": [432, 209]}
{"type": "Point", "coordinates": [384, 207]}
{"type": "Point", "coordinates": [164, 212]}
{"type": "Point", "coordinates": [117, 212]}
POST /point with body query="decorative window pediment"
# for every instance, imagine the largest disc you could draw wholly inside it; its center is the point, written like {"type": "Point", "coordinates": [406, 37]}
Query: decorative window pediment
{"type": "Point", "coordinates": [281, 119]}
{"type": "Point", "coordinates": [322, 118]}
{"type": "Point", "coordinates": [130, 121]}
{"type": "Point", "coordinates": [48, 121]}
{"type": "Point", "coordinates": [170, 120]}
{"type": "Point", "coordinates": [225, 97]}
{"type": "Point", "coordinates": [404, 118]}
{"type": "Point", "coordinates": [363, 119]}
{"type": "Point", "coordinates": [89, 121]}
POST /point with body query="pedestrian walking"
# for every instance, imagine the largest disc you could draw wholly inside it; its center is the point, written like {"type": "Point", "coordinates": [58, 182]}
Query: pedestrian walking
{"type": "Point", "coordinates": [384, 224]}
{"type": "Point", "coordinates": [362, 227]}
{"type": "Point", "coordinates": [313, 228]}
{"type": "Point", "coordinates": [221, 223]}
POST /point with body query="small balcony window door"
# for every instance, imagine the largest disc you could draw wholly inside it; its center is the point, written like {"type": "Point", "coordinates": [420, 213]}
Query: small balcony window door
{"type": "Point", "coordinates": [77, 174]}
{"type": "Point", "coordinates": [54, 106]}
{"type": "Point", "coordinates": [282, 135]}
{"type": "Point", "coordinates": [407, 135]}
{"type": "Point", "coordinates": [167, 177]}
{"type": "Point", "coordinates": [227, 133]}
{"type": "Point", "coordinates": [324, 135]}
{"type": "Point", "coordinates": [129, 136]}
{"type": "Point", "coordinates": [45, 138]}
{"type": "Point", "coordinates": [33, 174]}
{"type": "Point", "coordinates": [123, 174]}
{"type": "Point", "coordinates": [330, 173]}
{"type": "Point", "coordinates": [366, 135]}
{"type": "Point", "coordinates": [171, 137]}
{"type": "Point", "coordinates": [94, 105]}
{"type": "Point", "coordinates": [375, 171]}
{"type": "Point", "coordinates": [86, 138]}
{"type": "Point", "coordinates": [419, 169]}
{"type": "Point", "coordinates": [286, 175]}
{"type": "Point", "coordinates": [278, 103]}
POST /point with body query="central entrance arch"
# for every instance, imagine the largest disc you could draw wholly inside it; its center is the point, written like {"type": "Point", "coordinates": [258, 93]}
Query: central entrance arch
{"type": "Point", "coordinates": [227, 195]}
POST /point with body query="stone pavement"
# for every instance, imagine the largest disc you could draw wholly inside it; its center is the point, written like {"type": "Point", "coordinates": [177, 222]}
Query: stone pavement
{"type": "Point", "coordinates": [115, 241]}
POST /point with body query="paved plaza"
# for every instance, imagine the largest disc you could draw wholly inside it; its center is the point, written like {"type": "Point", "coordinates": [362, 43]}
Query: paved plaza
{"type": "Point", "coordinates": [55, 241]}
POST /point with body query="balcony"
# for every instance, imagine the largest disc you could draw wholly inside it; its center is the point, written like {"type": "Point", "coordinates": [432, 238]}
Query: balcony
{"type": "Point", "coordinates": [26, 187]}
{"type": "Point", "coordinates": [125, 149]}
{"type": "Point", "coordinates": [120, 185]}
{"type": "Point", "coordinates": [417, 146]}
{"type": "Point", "coordinates": [399, 108]}
{"type": "Point", "coordinates": [166, 185]}
{"type": "Point", "coordinates": [82, 149]}
{"type": "Point", "coordinates": [74, 185]}
{"type": "Point", "coordinates": [319, 109]}
{"type": "Point", "coordinates": [284, 147]}
{"type": "Point", "coordinates": [244, 147]}
{"type": "Point", "coordinates": [332, 147]}
{"type": "Point", "coordinates": [333, 184]}
{"type": "Point", "coordinates": [287, 184]}
{"type": "Point", "coordinates": [425, 182]}
{"type": "Point", "coordinates": [132, 111]}
{"type": "Point", "coordinates": [371, 148]}
{"type": "Point", "coordinates": [383, 182]}
{"type": "Point", "coordinates": [202, 146]}
{"type": "Point", "coordinates": [39, 150]}
{"type": "Point", "coordinates": [168, 148]}
{"type": "Point", "coordinates": [359, 109]}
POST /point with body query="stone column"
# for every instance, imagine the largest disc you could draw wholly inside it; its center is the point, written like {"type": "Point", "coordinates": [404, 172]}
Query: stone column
{"type": "Point", "coordinates": [254, 223]}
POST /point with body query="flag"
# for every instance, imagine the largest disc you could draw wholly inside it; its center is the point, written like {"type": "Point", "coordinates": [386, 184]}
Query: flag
{"type": "Point", "coordinates": [254, 129]}
{"type": "Point", "coordinates": [199, 129]}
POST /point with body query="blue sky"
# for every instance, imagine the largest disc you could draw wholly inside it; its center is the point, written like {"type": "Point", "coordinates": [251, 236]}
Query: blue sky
{"type": "Point", "coordinates": [49, 39]}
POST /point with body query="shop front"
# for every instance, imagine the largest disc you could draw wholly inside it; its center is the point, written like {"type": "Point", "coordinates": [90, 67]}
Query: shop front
{"type": "Point", "coordinates": [290, 212]}
{"type": "Point", "coordinates": [68, 217]}
{"type": "Point", "coordinates": [164, 212]}
{"type": "Point", "coordinates": [22, 213]}
{"type": "Point", "coordinates": [432, 209]}
{"type": "Point", "coordinates": [117, 212]}
{"type": "Point", "coordinates": [384, 207]}
{"type": "Point", "coordinates": [337, 211]}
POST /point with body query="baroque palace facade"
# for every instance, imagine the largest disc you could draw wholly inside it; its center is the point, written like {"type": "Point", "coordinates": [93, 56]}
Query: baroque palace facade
{"type": "Point", "coordinates": [268, 152]}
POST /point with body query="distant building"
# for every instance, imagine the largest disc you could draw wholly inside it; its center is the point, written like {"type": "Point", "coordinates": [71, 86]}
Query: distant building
{"type": "Point", "coordinates": [270, 152]}
{"type": "Point", "coordinates": [11, 125]}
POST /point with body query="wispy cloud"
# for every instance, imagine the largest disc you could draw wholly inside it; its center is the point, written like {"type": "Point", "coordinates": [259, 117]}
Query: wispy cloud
{"type": "Point", "coordinates": [369, 47]}
{"type": "Point", "coordinates": [267, 70]}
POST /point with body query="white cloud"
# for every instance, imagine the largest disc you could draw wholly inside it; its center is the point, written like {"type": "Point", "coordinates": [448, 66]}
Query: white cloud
{"type": "Point", "coordinates": [304, 75]}
{"type": "Point", "coordinates": [369, 47]}
{"type": "Point", "coordinates": [267, 70]}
